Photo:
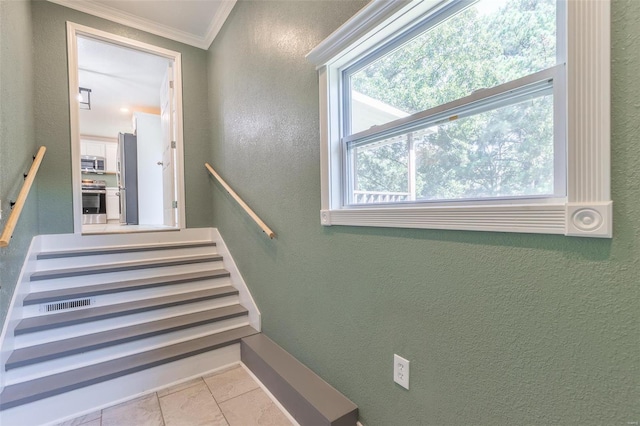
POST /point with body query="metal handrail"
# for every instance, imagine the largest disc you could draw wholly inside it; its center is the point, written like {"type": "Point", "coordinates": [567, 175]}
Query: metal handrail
{"type": "Point", "coordinates": [22, 198]}
{"type": "Point", "coordinates": [244, 205]}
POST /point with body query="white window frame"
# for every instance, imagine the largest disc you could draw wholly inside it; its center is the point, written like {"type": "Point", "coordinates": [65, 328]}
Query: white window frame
{"type": "Point", "coordinates": [587, 208]}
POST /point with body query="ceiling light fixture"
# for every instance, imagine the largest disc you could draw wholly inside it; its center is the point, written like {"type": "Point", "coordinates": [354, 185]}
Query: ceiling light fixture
{"type": "Point", "coordinates": [84, 98]}
{"type": "Point", "coordinates": [124, 109]}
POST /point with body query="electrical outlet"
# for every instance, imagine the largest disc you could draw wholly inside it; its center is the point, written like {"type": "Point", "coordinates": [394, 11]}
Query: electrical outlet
{"type": "Point", "coordinates": [401, 371]}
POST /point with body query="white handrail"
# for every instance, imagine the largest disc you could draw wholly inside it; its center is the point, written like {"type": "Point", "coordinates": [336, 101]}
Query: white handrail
{"type": "Point", "coordinates": [22, 198]}
{"type": "Point", "coordinates": [244, 205]}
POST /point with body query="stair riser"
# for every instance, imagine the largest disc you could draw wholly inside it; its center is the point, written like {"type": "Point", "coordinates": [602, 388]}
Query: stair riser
{"type": "Point", "coordinates": [72, 404]}
{"type": "Point", "coordinates": [71, 262]}
{"type": "Point", "coordinates": [46, 336]}
{"type": "Point", "coordinates": [37, 298]}
{"type": "Point", "coordinates": [75, 241]}
{"type": "Point", "coordinates": [55, 384]}
{"type": "Point", "coordinates": [122, 248]}
{"type": "Point", "coordinates": [105, 268]}
{"type": "Point", "coordinates": [112, 311]}
{"type": "Point", "coordinates": [69, 282]}
{"type": "Point", "coordinates": [145, 294]}
{"type": "Point", "coordinates": [45, 368]}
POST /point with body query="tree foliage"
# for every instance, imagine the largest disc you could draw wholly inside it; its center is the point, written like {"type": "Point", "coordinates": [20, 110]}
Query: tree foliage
{"type": "Point", "coordinates": [503, 152]}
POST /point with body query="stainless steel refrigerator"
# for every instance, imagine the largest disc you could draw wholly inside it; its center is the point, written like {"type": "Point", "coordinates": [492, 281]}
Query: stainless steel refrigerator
{"type": "Point", "coordinates": [128, 178]}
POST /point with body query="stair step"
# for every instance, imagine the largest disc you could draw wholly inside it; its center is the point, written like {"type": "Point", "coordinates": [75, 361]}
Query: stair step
{"type": "Point", "coordinates": [119, 286]}
{"type": "Point", "coordinates": [115, 250]}
{"type": "Point", "coordinates": [308, 398]}
{"type": "Point", "coordinates": [37, 389]}
{"type": "Point", "coordinates": [48, 351]}
{"type": "Point", "coordinates": [122, 266]}
{"type": "Point", "coordinates": [46, 322]}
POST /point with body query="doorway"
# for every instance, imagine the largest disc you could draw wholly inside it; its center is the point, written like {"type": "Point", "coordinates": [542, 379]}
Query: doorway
{"type": "Point", "coordinates": [126, 134]}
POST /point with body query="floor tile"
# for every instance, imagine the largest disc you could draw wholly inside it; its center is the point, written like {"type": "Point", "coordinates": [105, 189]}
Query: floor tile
{"type": "Point", "coordinates": [143, 411]}
{"type": "Point", "coordinates": [253, 408]}
{"type": "Point", "coordinates": [82, 419]}
{"type": "Point", "coordinates": [231, 383]}
{"type": "Point", "coordinates": [192, 406]}
{"type": "Point", "coordinates": [180, 386]}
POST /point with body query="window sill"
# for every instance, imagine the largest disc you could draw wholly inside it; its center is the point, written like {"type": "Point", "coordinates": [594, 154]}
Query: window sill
{"type": "Point", "coordinates": [571, 219]}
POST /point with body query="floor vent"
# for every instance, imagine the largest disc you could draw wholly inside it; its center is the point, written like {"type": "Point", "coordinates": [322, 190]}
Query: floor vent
{"type": "Point", "coordinates": [69, 304]}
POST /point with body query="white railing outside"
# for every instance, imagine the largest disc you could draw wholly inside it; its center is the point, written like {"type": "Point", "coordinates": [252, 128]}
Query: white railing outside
{"type": "Point", "coordinates": [371, 197]}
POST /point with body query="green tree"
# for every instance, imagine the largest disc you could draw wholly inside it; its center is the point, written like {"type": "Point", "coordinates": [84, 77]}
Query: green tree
{"type": "Point", "coordinates": [503, 152]}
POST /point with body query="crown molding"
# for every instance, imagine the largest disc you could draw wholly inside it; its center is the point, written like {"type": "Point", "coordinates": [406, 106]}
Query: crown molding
{"type": "Point", "coordinates": [369, 17]}
{"type": "Point", "coordinates": [124, 18]}
{"type": "Point", "coordinates": [218, 21]}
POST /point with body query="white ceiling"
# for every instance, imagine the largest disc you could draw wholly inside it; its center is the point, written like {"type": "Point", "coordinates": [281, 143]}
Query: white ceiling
{"type": "Point", "coordinates": [118, 77]}
{"type": "Point", "coordinates": [193, 22]}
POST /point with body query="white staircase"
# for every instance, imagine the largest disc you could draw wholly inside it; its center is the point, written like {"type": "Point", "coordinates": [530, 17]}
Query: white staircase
{"type": "Point", "coordinates": [100, 319]}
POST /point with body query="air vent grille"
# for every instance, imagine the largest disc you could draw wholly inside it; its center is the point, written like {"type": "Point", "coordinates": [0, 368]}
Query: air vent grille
{"type": "Point", "coordinates": [69, 304]}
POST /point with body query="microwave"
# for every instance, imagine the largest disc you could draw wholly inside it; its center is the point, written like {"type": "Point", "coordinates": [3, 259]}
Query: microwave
{"type": "Point", "coordinates": [92, 164]}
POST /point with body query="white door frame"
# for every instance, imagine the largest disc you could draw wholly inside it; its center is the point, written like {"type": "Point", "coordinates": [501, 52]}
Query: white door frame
{"type": "Point", "coordinates": [73, 31]}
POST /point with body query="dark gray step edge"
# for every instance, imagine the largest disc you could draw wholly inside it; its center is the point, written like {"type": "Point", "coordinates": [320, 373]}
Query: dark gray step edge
{"type": "Point", "coordinates": [47, 322]}
{"type": "Point", "coordinates": [120, 286]}
{"type": "Point", "coordinates": [61, 348]}
{"type": "Point", "coordinates": [122, 266]}
{"type": "Point", "coordinates": [37, 389]}
{"type": "Point", "coordinates": [116, 250]}
{"type": "Point", "coordinates": [308, 398]}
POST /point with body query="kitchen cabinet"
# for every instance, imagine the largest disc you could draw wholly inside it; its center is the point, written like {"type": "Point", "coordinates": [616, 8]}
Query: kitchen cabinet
{"type": "Point", "coordinates": [94, 148]}
{"type": "Point", "coordinates": [113, 204]}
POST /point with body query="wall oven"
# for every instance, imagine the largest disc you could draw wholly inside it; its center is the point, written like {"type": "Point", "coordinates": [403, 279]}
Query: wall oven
{"type": "Point", "coordinates": [94, 201]}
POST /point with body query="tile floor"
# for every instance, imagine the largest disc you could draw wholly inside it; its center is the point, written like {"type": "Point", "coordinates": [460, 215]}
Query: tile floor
{"type": "Point", "coordinates": [230, 397]}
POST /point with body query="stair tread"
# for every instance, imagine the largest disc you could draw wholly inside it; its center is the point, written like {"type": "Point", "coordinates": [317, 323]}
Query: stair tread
{"type": "Point", "coordinates": [47, 351]}
{"type": "Point", "coordinates": [113, 287]}
{"type": "Point", "coordinates": [118, 249]}
{"type": "Point", "coordinates": [33, 390]}
{"type": "Point", "coordinates": [46, 322]}
{"type": "Point", "coordinates": [122, 266]}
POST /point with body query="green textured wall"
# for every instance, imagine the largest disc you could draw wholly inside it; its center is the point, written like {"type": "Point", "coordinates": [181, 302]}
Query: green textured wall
{"type": "Point", "coordinates": [52, 115]}
{"type": "Point", "coordinates": [499, 328]}
{"type": "Point", "coordinates": [17, 139]}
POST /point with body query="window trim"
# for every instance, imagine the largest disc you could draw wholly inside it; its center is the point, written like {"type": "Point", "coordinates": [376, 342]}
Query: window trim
{"type": "Point", "coordinates": [587, 208]}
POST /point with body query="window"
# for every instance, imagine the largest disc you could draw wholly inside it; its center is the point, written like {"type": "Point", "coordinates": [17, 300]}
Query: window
{"type": "Point", "coordinates": [478, 115]}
